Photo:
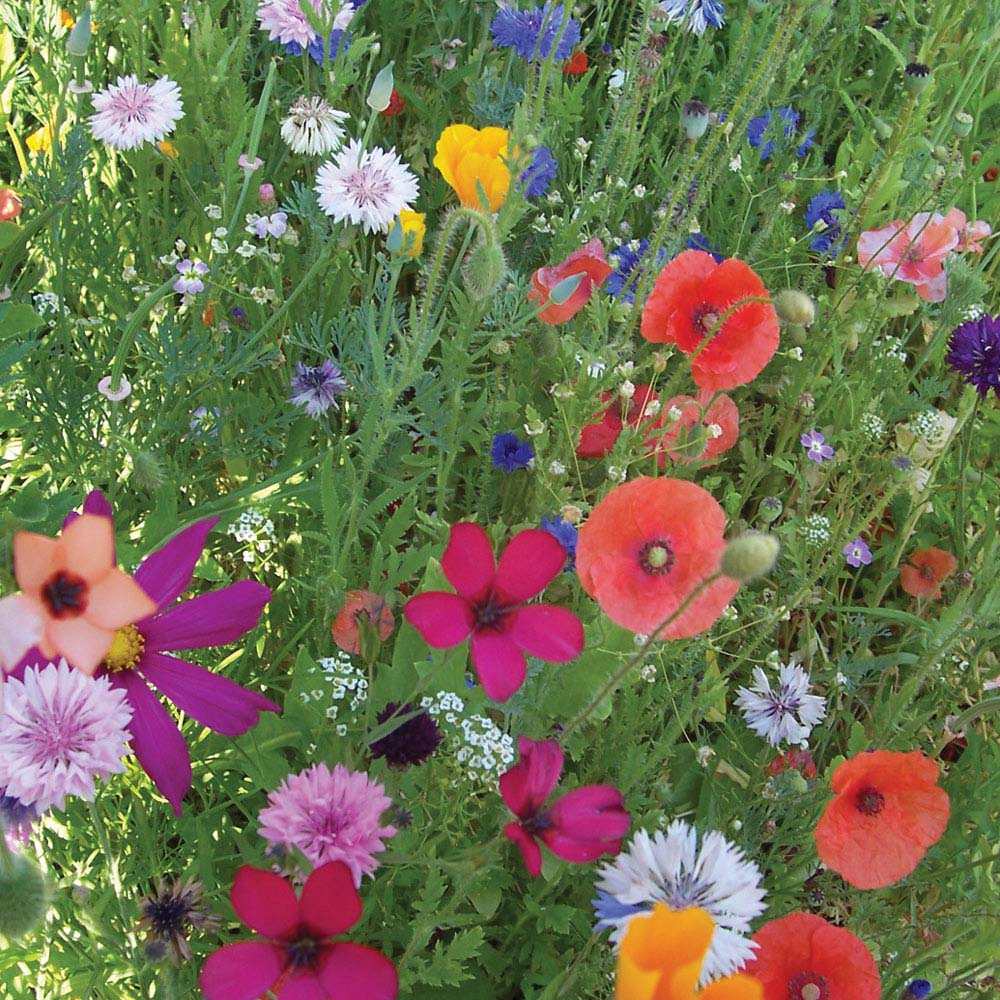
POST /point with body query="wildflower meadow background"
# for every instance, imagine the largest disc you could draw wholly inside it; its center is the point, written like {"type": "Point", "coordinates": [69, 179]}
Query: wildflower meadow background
{"type": "Point", "coordinates": [499, 500]}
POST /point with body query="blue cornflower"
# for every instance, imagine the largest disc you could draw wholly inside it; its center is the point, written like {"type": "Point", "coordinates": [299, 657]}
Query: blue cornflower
{"type": "Point", "coordinates": [695, 15]}
{"type": "Point", "coordinates": [629, 269]}
{"type": "Point", "coordinates": [759, 129]}
{"type": "Point", "coordinates": [338, 42]}
{"type": "Point", "coordinates": [917, 990]}
{"type": "Point", "coordinates": [317, 388]}
{"type": "Point", "coordinates": [533, 33]}
{"type": "Point", "coordinates": [540, 173]}
{"type": "Point", "coordinates": [510, 453]}
{"type": "Point", "coordinates": [820, 209]}
{"type": "Point", "coordinates": [699, 241]}
{"type": "Point", "coordinates": [974, 353]}
{"type": "Point", "coordinates": [566, 535]}
{"type": "Point", "coordinates": [609, 911]}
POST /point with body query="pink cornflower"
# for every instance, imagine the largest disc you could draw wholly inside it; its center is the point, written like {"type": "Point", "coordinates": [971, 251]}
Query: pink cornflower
{"type": "Point", "coordinates": [285, 22]}
{"type": "Point", "coordinates": [329, 816]}
{"type": "Point", "coordinates": [130, 114]}
{"type": "Point", "coordinates": [490, 606]}
{"type": "Point", "coordinates": [579, 827]}
{"type": "Point", "coordinates": [60, 730]}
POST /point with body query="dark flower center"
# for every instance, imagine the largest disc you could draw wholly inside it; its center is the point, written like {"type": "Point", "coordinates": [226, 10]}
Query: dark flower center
{"type": "Point", "coordinates": [167, 915]}
{"type": "Point", "coordinates": [926, 572]}
{"type": "Point", "coordinates": [538, 823]}
{"type": "Point", "coordinates": [302, 952]}
{"type": "Point", "coordinates": [706, 317]}
{"type": "Point", "coordinates": [65, 595]}
{"type": "Point", "coordinates": [656, 557]}
{"type": "Point", "coordinates": [870, 801]}
{"type": "Point", "coordinates": [489, 613]}
{"type": "Point", "coordinates": [808, 986]}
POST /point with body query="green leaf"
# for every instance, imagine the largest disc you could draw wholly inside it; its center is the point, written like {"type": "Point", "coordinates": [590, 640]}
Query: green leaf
{"type": "Point", "coordinates": [17, 318]}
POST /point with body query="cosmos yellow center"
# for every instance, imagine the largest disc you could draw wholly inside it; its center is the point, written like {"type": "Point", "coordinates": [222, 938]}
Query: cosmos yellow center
{"type": "Point", "coordinates": [126, 649]}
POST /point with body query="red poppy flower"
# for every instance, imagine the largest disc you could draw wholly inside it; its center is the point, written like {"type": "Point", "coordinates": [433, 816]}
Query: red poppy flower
{"type": "Point", "coordinates": [360, 603]}
{"type": "Point", "coordinates": [646, 546]}
{"type": "Point", "coordinates": [887, 812]}
{"type": "Point", "coordinates": [298, 960]}
{"type": "Point", "coordinates": [579, 827]}
{"type": "Point", "coordinates": [597, 439]}
{"type": "Point", "coordinates": [927, 568]}
{"type": "Point", "coordinates": [802, 957]}
{"type": "Point", "coordinates": [577, 64]}
{"type": "Point", "coordinates": [395, 106]}
{"type": "Point", "coordinates": [490, 606]}
{"type": "Point", "coordinates": [701, 433]}
{"type": "Point", "coordinates": [690, 295]}
{"type": "Point", "coordinates": [588, 261]}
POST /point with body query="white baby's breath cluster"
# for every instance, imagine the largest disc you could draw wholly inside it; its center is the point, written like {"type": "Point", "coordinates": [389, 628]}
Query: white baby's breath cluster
{"type": "Point", "coordinates": [346, 687]}
{"type": "Point", "coordinates": [889, 348]}
{"type": "Point", "coordinates": [482, 749]}
{"type": "Point", "coordinates": [872, 426]}
{"type": "Point", "coordinates": [815, 529]}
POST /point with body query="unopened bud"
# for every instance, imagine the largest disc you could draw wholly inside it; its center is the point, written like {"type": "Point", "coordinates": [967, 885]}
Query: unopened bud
{"type": "Point", "coordinates": [79, 36]}
{"type": "Point", "coordinates": [694, 119]}
{"type": "Point", "coordinates": [795, 307]}
{"type": "Point", "coordinates": [147, 472]}
{"type": "Point", "coordinates": [24, 895]}
{"type": "Point", "coordinates": [483, 269]}
{"type": "Point", "coordinates": [381, 93]}
{"type": "Point", "coordinates": [266, 194]}
{"type": "Point", "coordinates": [750, 555]}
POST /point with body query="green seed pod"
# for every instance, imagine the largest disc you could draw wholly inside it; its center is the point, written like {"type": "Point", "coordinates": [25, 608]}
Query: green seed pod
{"type": "Point", "coordinates": [694, 119]}
{"type": "Point", "coordinates": [795, 307]}
{"type": "Point", "coordinates": [917, 77]}
{"type": "Point", "coordinates": [750, 555]}
{"type": "Point", "coordinates": [483, 269]}
{"type": "Point", "coordinates": [962, 124]}
{"type": "Point", "coordinates": [24, 895]}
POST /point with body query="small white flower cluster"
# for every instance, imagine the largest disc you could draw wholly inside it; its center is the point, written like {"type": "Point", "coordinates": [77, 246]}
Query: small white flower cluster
{"type": "Point", "coordinates": [349, 687]}
{"type": "Point", "coordinates": [927, 425]}
{"type": "Point", "coordinates": [484, 750]}
{"type": "Point", "coordinates": [815, 529]}
{"type": "Point", "coordinates": [47, 304]}
{"type": "Point", "coordinates": [889, 348]}
{"type": "Point", "coordinates": [255, 531]}
{"type": "Point", "coordinates": [872, 426]}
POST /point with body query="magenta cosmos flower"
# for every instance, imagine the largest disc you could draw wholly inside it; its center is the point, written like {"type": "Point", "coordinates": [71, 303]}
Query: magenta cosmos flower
{"type": "Point", "coordinates": [490, 606]}
{"type": "Point", "coordinates": [138, 656]}
{"type": "Point", "coordinates": [579, 827]}
{"type": "Point", "coordinates": [298, 961]}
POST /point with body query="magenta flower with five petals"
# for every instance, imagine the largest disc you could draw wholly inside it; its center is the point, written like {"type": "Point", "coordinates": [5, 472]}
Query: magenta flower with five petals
{"type": "Point", "coordinates": [490, 606]}
{"type": "Point", "coordinates": [579, 827]}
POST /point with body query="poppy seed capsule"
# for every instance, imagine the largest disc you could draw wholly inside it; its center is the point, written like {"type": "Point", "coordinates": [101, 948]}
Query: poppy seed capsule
{"type": "Point", "coordinates": [24, 895]}
{"type": "Point", "coordinates": [916, 77]}
{"type": "Point", "coordinates": [694, 119]}
{"type": "Point", "coordinates": [795, 307]}
{"type": "Point", "coordinates": [961, 124]}
{"type": "Point", "coordinates": [751, 555]}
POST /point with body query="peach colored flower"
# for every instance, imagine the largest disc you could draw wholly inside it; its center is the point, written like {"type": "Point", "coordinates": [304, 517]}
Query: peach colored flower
{"type": "Point", "coordinates": [361, 604]}
{"type": "Point", "coordinates": [10, 204]}
{"type": "Point", "coordinates": [923, 574]}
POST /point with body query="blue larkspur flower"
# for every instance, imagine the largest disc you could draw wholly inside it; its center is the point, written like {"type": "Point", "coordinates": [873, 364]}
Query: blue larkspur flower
{"type": "Point", "coordinates": [509, 452]}
{"type": "Point", "coordinates": [566, 535]}
{"type": "Point", "coordinates": [540, 173]}
{"type": "Point", "coordinates": [317, 388]}
{"type": "Point", "coordinates": [533, 33]}
{"type": "Point", "coordinates": [762, 136]}
{"type": "Point", "coordinates": [629, 267]}
{"type": "Point", "coordinates": [821, 208]}
{"type": "Point", "coordinates": [699, 241]}
{"type": "Point", "coordinates": [974, 353]}
{"type": "Point", "coordinates": [695, 15]}
{"type": "Point", "coordinates": [339, 41]}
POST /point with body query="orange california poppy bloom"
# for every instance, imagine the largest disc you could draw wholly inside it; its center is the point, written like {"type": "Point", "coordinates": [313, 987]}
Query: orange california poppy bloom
{"type": "Point", "coordinates": [923, 574]}
{"type": "Point", "coordinates": [589, 262]}
{"type": "Point", "coordinates": [661, 957]}
{"type": "Point", "coordinates": [645, 547]}
{"type": "Point", "coordinates": [689, 298]}
{"type": "Point", "coordinates": [466, 155]}
{"type": "Point", "coordinates": [802, 957]}
{"type": "Point", "coordinates": [359, 603]}
{"type": "Point", "coordinates": [887, 812]}
{"type": "Point", "coordinates": [705, 429]}
{"type": "Point", "coordinates": [79, 593]}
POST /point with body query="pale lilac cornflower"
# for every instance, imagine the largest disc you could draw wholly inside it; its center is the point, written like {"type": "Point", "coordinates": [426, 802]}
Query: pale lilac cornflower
{"type": "Point", "coordinates": [317, 388]}
{"type": "Point", "coordinates": [329, 816]}
{"type": "Point", "coordinates": [60, 730]}
{"type": "Point", "coordinates": [858, 553]}
{"type": "Point", "coordinates": [312, 127]}
{"type": "Point", "coordinates": [369, 188]}
{"type": "Point", "coordinates": [817, 450]}
{"type": "Point", "coordinates": [130, 114]}
{"type": "Point", "coordinates": [263, 226]}
{"type": "Point", "coordinates": [189, 281]}
{"type": "Point", "coordinates": [285, 21]}
{"type": "Point", "coordinates": [786, 713]}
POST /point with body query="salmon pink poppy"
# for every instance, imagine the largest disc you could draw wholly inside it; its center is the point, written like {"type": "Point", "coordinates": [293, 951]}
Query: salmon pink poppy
{"type": "Point", "coordinates": [598, 438]}
{"type": "Point", "coordinates": [970, 234]}
{"type": "Point", "coordinates": [646, 547]}
{"type": "Point", "coordinates": [361, 604]}
{"type": "Point", "coordinates": [803, 957]}
{"type": "Point", "coordinates": [690, 297]}
{"type": "Point", "coordinates": [887, 812]}
{"type": "Point", "coordinates": [707, 427]}
{"type": "Point", "coordinates": [490, 606]}
{"type": "Point", "coordinates": [589, 263]}
{"type": "Point", "coordinates": [926, 570]}
{"type": "Point", "coordinates": [299, 957]}
{"type": "Point", "coordinates": [579, 827]}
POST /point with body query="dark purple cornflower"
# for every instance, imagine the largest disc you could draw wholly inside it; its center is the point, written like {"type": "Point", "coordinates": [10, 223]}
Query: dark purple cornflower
{"type": "Point", "coordinates": [566, 535]}
{"type": "Point", "coordinates": [509, 452]}
{"type": "Point", "coordinates": [629, 267]}
{"type": "Point", "coordinates": [240, 317]}
{"type": "Point", "coordinates": [821, 207]}
{"type": "Point", "coordinates": [760, 132]}
{"type": "Point", "coordinates": [917, 990]}
{"type": "Point", "coordinates": [412, 742]}
{"type": "Point", "coordinates": [16, 820]}
{"type": "Point", "coordinates": [317, 388]}
{"type": "Point", "coordinates": [169, 914]}
{"type": "Point", "coordinates": [540, 173]}
{"type": "Point", "coordinates": [533, 33]}
{"type": "Point", "coordinates": [902, 463]}
{"type": "Point", "coordinates": [974, 353]}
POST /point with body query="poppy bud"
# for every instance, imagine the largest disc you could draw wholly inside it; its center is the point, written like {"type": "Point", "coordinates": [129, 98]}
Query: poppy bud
{"type": "Point", "coordinates": [483, 269]}
{"type": "Point", "coordinates": [147, 472]}
{"type": "Point", "coordinates": [24, 895]}
{"type": "Point", "coordinates": [694, 119]}
{"type": "Point", "coordinates": [79, 36]}
{"type": "Point", "coordinates": [795, 307]}
{"type": "Point", "coordinates": [961, 124]}
{"type": "Point", "coordinates": [916, 77]}
{"type": "Point", "coordinates": [750, 555]}
{"type": "Point", "coordinates": [882, 128]}
{"type": "Point", "coordinates": [381, 92]}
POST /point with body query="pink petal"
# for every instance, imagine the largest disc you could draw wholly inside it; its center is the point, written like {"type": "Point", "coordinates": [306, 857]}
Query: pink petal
{"type": "Point", "coordinates": [549, 633]}
{"type": "Point", "coordinates": [241, 971]}
{"type": "Point", "coordinates": [213, 619]}
{"type": "Point", "coordinates": [265, 902]}
{"type": "Point", "coordinates": [303, 985]}
{"type": "Point", "coordinates": [117, 600]}
{"type": "Point", "coordinates": [530, 851]}
{"type": "Point", "coordinates": [330, 904]}
{"type": "Point", "coordinates": [443, 619]}
{"type": "Point", "coordinates": [499, 663]}
{"type": "Point", "coordinates": [211, 699]}
{"type": "Point", "coordinates": [934, 289]}
{"type": "Point", "coordinates": [354, 972]}
{"type": "Point", "coordinates": [156, 740]}
{"type": "Point", "coordinates": [468, 561]}
{"type": "Point", "coordinates": [165, 573]}
{"type": "Point", "coordinates": [587, 823]}
{"type": "Point", "coordinates": [531, 561]}
{"type": "Point", "coordinates": [527, 785]}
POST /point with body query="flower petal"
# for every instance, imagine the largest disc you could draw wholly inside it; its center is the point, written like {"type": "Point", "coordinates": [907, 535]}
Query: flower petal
{"type": "Point", "coordinates": [499, 663]}
{"type": "Point", "coordinates": [549, 633]}
{"type": "Point", "coordinates": [531, 561]}
{"type": "Point", "coordinates": [468, 561]}
{"type": "Point", "coordinates": [35, 559]}
{"type": "Point", "coordinates": [354, 972]}
{"type": "Point", "coordinates": [443, 619]}
{"type": "Point", "coordinates": [165, 573]}
{"type": "Point", "coordinates": [117, 600]}
{"type": "Point", "coordinates": [265, 902]}
{"type": "Point", "coordinates": [241, 971]}
{"type": "Point", "coordinates": [527, 785]}
{"type": "Point", "coordinates": [531, 853]}
{"type": "Point", "coordinates": [330, 903]}
{"type": "Point", "coordinates": [211, 699]}
{"type": "Point", "coordinates": [303, 985]}
{"type": "Point", "coordinates": [88, 546]}
{"type": "Point", "coordinates": [80, 641]}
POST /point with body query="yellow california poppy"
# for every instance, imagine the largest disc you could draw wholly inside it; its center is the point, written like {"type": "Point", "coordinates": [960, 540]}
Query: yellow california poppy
{"type": "Point", "coordinates": [414, 227]}
{"type": "Point", "coordinates": [469, 158]}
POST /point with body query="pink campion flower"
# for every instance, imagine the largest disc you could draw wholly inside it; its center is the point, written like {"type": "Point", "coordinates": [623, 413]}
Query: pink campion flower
{"type": "Point", "coordinates": [490, 606]}
{"type": "Point", "coordinates": [299, 960]}
{"type": "Point", "coordinates": [589, 263]}
{"type": "Point", "coordinates": [579, 827]}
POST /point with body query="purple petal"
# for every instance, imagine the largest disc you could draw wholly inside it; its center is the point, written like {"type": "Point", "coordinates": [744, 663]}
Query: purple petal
{"type": "Point", "coordinates": [165, 573]}
{"type": "Point", "coordinates": [531, 561]}
{"type": "Point", "coordinates": [468, 560]}
{"type": "Point", "coordinates": [211, 699]}
{"type": "Point", "coordinates": [213, 619]}
{"type": "Point", "coordinates": [95, 503]}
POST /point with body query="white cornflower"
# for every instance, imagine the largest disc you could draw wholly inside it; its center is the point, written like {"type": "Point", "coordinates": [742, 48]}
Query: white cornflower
{"type": "Point", "coordinates": [670, 868]}
{"type": "Point", "coordinates": [129, 114]}
{"type": "Point", "coordinates": [313, 127]}
{"type": "Point", "coordinates": [369, 188]}
{"type": "Point", "coordinates": [785, 714]}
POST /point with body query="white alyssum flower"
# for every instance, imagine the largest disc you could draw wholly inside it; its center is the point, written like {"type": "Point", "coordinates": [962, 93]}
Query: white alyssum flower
{"type": "Point", "coordinates": [312, 127]}
{"type": "Point", "coordinates": [786, 713]}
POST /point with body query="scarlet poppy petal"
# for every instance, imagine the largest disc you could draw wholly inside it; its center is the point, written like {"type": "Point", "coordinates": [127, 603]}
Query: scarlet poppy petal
{"type": "Point", "coordinates": [531, 853]}
{"type": "Point", "coordinates": [351, 971]}
{"type": "Point", "coordinates": [442, 619]}
{"type": "Point", "coordinates": [83, 643]}
{"type": "Point", "coordinates": [330, 904]}
{"type": "Point", "coordinates": [550, 633]}
{"type": "Point", "coordinates": [241, 971]}
{"type": "Point", "coordinates": [117, 600]}
{"type": "Point", "coordinates": [468, 560]}
{"type": "Point", "coordinates": [35, 559]}
{"type": "Point", "coordinates": [499, 663]}
{"type": "Point", "coordinates": [527, 785]}
{"type": "Point", "coordinates": [531, 561]}
{"type": "Point", "coordinates": [265, 902]}
{"type": "Point", "coordinates": [165, 573]}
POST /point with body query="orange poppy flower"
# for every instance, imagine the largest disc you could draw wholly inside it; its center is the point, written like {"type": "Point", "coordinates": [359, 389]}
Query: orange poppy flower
{"type": "Point", "coordinates": [466, 155]}
{"type": "Point", "coordinates": [661, 957]}
{"type": "Point", "coordinates": [887, 812]}
{"type": "Point", "coordinates": [802, 957]}
{"type": "Point", "coordinates": [77, 591]}
{"type": "Point", "coordinates": [927, 568]}
{"type": "Point", "coordinates": [577, 64]}
{"type": "Point", "coordinates": [589, 262]}
{"type": "Point", "coordinates": [645, 547]}
{"type": "Point", "coordinates": [689, 298]}
{"type": "Point", "coordinates": [701, 433]}
{"type": "Point", "coordinates": [359, 603]}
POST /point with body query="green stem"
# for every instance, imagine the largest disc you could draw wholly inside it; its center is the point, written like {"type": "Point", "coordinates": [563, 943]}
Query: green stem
{"type": "Point", "coordinates": [128, 334]}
